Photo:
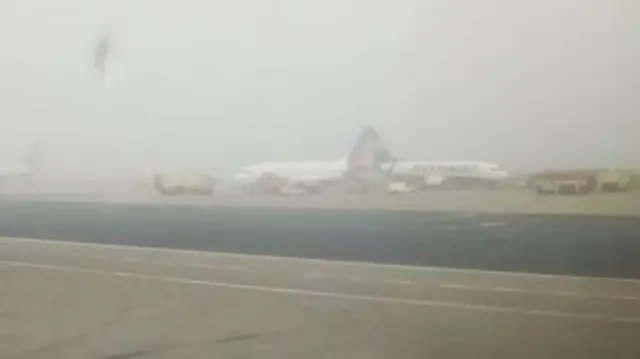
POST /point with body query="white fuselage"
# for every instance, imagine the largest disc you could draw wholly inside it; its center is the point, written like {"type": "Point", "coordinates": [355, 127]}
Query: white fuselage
{"type": "Point", "coordinates": [14, 172]}
{"type": "Point", "coordinates": [439, 171]}
{"type": "Point", "coordinates": [319, 173]}
{"type": "Point", "coordinates": [29, 169]}
{"type": "Point", "coordinates": [294, 173]}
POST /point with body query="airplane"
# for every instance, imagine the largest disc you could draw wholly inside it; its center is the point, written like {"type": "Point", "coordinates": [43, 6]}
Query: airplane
{"type": "Point", "coordinates": [446, 174]}
{"type": "Point", "coordinates": [314, 176]}
{"type": "Point", "coordinates": [29, 168]}
{"type": "Point", "coordinates": [409, 175]}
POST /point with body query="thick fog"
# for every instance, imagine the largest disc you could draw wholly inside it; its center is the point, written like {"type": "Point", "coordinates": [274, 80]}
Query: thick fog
{"type": "Point", "coordinates": [213, 85]}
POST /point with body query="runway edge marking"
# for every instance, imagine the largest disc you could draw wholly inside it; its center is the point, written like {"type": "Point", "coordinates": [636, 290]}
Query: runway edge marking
{"type": "Point", "coordinates": [334, 295]}
{"type": "Point", "coordinates": [308, 260]}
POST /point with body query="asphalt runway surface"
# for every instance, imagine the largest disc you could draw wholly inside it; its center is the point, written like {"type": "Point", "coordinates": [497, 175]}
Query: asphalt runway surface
{"type": "Point", "coordinates": [73, 300]}
{"type": "Point", "coordinates": [578, 244]}
{"type": "Point", "coordinates": [491, 201]}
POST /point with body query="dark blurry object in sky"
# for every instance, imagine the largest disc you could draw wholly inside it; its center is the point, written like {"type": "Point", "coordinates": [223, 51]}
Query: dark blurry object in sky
{"type": "Point", "coordinates": [100, 55]}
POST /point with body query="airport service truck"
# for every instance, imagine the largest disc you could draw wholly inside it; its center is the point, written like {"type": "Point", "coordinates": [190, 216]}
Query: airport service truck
{"type": "Point", "coordinates": [564, 182]}
{"type": "Point", "coordinates": [614, 180]}
{"type": "Point", "coordinates": [184, 184]}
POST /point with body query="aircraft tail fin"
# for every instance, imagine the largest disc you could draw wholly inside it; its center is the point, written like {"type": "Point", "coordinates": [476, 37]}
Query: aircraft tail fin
{"type": "Point", "coordinates": [101, 54]}
{"type": "Point", "coordinates": [369, 152]}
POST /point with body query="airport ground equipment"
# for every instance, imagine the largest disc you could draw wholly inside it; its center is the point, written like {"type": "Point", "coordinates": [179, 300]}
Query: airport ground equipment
{"type": "Point", "coordinates": [184, 184]}
{"type": "Point", "coordinates": [564, 182]}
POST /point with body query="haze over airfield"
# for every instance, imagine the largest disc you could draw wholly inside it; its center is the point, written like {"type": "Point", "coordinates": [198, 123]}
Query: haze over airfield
{"type": "Point", "coordinates": [214, 85]}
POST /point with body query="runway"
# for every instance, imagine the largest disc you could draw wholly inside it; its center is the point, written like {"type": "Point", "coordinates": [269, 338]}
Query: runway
{"type": "Point", "coordinates": [71, 300]}
{"type": "Point", "coordinates": [476, 201]}
{"type": "Point", "coordinates": [578, 244]}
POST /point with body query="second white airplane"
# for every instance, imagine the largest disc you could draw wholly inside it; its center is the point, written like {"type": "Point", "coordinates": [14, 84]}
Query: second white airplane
{"type": "Point", "coordinates": [448, 174]}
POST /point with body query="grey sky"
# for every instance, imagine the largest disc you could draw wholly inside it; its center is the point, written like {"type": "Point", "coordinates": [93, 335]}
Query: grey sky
{"type": "Point", "coordinates": [213, 85]}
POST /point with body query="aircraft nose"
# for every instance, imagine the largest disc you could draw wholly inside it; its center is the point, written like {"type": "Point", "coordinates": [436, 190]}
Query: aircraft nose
{"type": "Point", "coordinates": [240, 177]}
{"type": "Point", "coordinates": [244, 177]}
{"type": "Point", "coordinates": [503, 174]}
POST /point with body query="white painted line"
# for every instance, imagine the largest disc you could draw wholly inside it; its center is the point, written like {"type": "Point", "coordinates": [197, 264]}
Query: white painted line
{"type": "Point", "coordinates": [120, 274]}
{"type": "Point", "coordinates": [398, 281]}
{"type": "Point", "coordinates": [493, 224]}
{"type": "Point", "coordinates": [355, 278]}
{"type": "Point", "coordinates": [518, 290]}
{"type": "Point", "coordinates": [506, 289]}
{"type": "Point", "coordinates": [334, 295]}
{"type": "Point", "coordinates": [628, 298]}
{"type": "Point", "coordinates": [610, 297]}
{"type": "Point", "coordinates": [307, 260]}
{"type": "Point", "coordinates": [595, 296]}
{"type": "Point", "coordinates": [178, 264]}
{"type": "Point", "coordinates": [317, 275]}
